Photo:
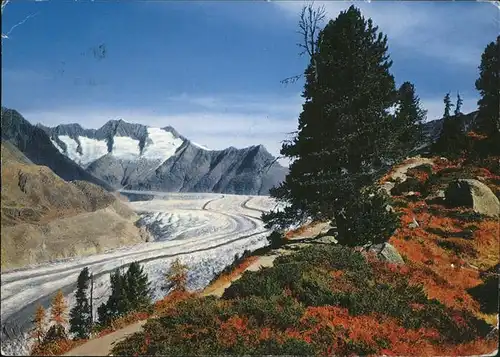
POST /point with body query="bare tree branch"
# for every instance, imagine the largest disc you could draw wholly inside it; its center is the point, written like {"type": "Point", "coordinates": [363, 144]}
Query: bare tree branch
{"type": "Point", "coordinates": [310, 22]}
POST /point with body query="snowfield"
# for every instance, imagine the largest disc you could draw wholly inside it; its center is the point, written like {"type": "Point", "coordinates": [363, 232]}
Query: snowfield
{"type": "Point", "coordinates": [204, 231]}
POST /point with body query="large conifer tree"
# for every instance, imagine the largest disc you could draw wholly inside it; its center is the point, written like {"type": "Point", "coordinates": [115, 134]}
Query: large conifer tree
{"type": "Point", "coordinates": [488, 85]}
{"type": "Point", "coordinates": [79, 316]}
{"type": "Point", "coordinates": [344, 127]}
{"type": "Point", "coordinates": [408, 121]}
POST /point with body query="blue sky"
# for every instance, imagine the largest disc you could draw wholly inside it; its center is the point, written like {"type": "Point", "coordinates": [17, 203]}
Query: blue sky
{"type": "Point", "coordinates": [212, 70]}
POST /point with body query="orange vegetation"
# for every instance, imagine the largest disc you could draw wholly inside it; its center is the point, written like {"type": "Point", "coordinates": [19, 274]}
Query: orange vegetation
{"type": "Point", "coordinates": [229, 277]}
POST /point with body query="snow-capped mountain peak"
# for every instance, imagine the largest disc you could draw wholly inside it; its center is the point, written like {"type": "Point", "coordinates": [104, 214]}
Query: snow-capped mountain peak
{"type": "Point", "coordinates": [136, 156]}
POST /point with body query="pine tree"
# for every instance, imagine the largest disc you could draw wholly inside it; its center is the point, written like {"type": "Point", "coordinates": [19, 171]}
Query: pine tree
{"type": "Point", "coordinates": [118, 304]}
{"type": "Point", "coordinates": [458, 106]}
{"type": "Point", "coordinates": [138, 291]}
{"type": "Point", "coordinates": [447, 106]}
{"type": "Point", "coordinates": [488, 85]}
{"type": "Point", "coordinates": [38, 331]}
{"type": "Point", "coordinates": [176, 276]}
{"type": "Point", "coordinates": [80, 323]}
{"type": "Point", "coordinates": [408, 121]}
{"type": "Point", "coordinates": [344, 132]}
{"type": "Point", "coordinates": [452, 140]}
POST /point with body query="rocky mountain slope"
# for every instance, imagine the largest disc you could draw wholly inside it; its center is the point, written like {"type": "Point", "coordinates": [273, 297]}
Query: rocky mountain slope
{"type": "Point", "coordinates": [139, 157]}
{"type": "Point", "coordinates": [432, 129]}
{"type": "Point", "coordinates": [44, 217]}
{"type": "Point", "coordinates": [36, 146]}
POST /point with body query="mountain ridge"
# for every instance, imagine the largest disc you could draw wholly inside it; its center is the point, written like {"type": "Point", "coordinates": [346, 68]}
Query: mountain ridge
{"type": "Point", "coordinates": [136, 156]}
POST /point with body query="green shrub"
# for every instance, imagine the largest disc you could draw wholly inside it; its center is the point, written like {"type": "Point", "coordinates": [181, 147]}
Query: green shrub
{"type": "Point", "coordinates": [278, 311]}
{"type": "Point", "coordinates": [366, 219]}
{"type": "Point", "coordinates": [333, 257]}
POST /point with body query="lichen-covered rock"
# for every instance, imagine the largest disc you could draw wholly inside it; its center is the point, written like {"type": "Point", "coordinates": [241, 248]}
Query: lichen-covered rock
{"type": "Point", "coordinates": [474, 194]}
{"type": "Point", "coordinates": [385, 252]}
{"type": "Point", "coordinates": [327, 240]}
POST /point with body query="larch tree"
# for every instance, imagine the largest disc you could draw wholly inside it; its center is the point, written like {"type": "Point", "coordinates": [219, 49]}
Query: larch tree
{"type": "Point", "coordinates": [79, 320]}
{"type": "Point", "coordinates": [58, 318]}
{"type": "Point", "coordinates": [344, 131]}
{"type": "Point", "coordinates": [39, 322]}
{"type": "Point", "coordinates": [176, 276]}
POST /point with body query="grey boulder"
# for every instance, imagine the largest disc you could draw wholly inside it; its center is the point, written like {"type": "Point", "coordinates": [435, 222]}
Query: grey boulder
{"type": "Point", "coordinates": [473, 194]}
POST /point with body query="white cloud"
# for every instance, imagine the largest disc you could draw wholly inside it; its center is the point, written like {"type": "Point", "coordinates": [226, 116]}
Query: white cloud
{"type": "Point", "coordinates": [448, 32]}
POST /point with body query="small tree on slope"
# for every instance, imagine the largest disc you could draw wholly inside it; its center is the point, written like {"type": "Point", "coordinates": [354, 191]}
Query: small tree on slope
{"type": "Point", "coordinates": [408, 121]}
{"type": "Point", "coordinates": [344, 132]}
{"type": "Point", "coordinates": [117, 304]}
{"type": "Point", "coordinates": [138, 290]}
{"type": "Point", "coordinates": [451, 141]}
{"type": "Point", "coordinates": [38, 331]}
{"type": "Point", "coordinates": [79, 320]}
{"type": "Point", "coordinates": [177, 276]}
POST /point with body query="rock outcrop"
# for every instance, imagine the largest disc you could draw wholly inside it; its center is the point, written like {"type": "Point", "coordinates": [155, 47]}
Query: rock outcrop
{"type": "Point", "coordinates": [385, 252]}
{"type": "Point", "coordinates": [473, 194]}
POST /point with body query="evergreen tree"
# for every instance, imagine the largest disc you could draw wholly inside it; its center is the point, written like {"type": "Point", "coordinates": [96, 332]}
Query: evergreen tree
{"type": "Point", "coordinates": [452, 140]}
{"type": "Point", "coordinates": [138, 291]}
{"type": "Point", "coordinates": [409, 117]}
{"type": "Point", "coordinates": [447, 106]}
{"type": "Point", "coordinates": [80, 323]}
{"type": "Point", "coordinates": [458, 106]}
{"type": "Point", "coordinates": [344, 132]}
{"type": "Point", "coordinates": [488, 85]}
{"type": "Point", "coordinates": [118, 304]}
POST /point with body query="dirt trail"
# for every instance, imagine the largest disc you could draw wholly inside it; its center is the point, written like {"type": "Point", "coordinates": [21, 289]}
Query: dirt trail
{"type": "Point", "coordinates": [400, 172]}
{"type": "Point", "coordinates": [102, 346]}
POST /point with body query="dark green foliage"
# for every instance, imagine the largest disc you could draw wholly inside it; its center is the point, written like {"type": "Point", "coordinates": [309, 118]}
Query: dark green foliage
{"type": "Point", "coordinates": [343, 131]}
{"type": "Point", "coordinates": [55, 334]}
{"type": "Point", "coordinates": [276, 239]}
{"type": "Point", "coordinates": [117, 304]}
{"type": "Point", "coordinates": [488, 85]}
{"type": "Point", "coordinates": [328, 257]}
{"type": "Point", "coordinates": [278, 311]}
{"type": "Point", "coordinates": [452, 140]}
{"type": "Point", "coordinates": [137, 287]}
{"type": "Point", "coordinates": [487, 293]}
{"type": "Point", "coordinates": [408, 121]}
{"type": "Point", "coordinates": [410, 184]}
{"type": "Point", "coordinates": [366, 219]}
{"type": "Point", "coordinates": [290, 347]}
{"type": "Point", "coordinates": [79, 316]}
{"type": "Point", "coordinates": [129, 292]}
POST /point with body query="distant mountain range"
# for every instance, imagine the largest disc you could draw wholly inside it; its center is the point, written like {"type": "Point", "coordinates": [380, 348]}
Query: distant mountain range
{"type": "Point", "coordinates": [121, 155]}
{"type": "Point", "coordinates": [35, 144]}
